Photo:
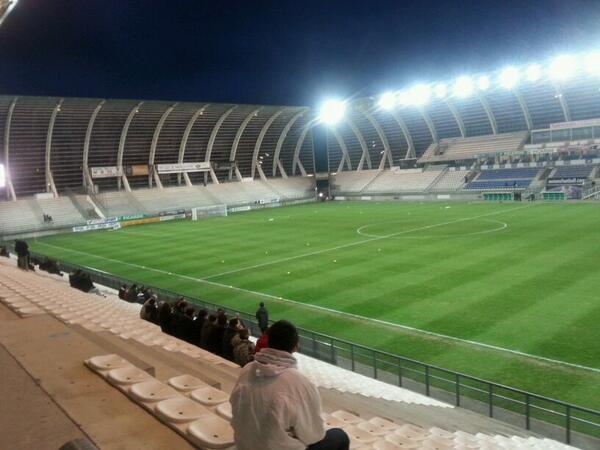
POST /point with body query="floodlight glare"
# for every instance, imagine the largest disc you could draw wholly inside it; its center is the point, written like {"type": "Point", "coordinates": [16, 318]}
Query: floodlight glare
{"type": "Point", "coordinates": [2, 176]}
{"type": "Point", "coordinates": [419, 94]}
{"type": "Point", "coordinates": [509, 77]}
{"type": "Point", "coordinates": [463, 86]}
{"type": "Point", "coordinates": [440, 90]}
{"type": "Point", "coordinates": [483, 82]}
{"type": "Point", "coordinates": [332, 111]}
{"type": "Point", "coordinates": [404, 98]}
{"type": "Point", "coordinates": [533, 72]}
{"type": "Point", "coordinates": [592, 63]}
{"type": "Point", "coordinates": [563, 67]}
{"type": "Point", "coordinates": [387, 101]}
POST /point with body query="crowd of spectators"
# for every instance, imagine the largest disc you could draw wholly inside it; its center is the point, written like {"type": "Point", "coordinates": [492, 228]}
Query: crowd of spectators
{"type": "Point", "coordinates": [225, 336]}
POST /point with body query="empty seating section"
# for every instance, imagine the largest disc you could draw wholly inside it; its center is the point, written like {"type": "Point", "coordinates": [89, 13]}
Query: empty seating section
{"type": "Point", "coordinates": [572, 171]}
{"type": "Point", "coordinates": [508, 174]}
{"type": "Point", "coordinates": [190, 412]}
{"type": "Point", "coordinates": [495, 179]}
{"type": "Point", "coordinates": [200, 412]}
{"type": "Point", "coordinates": [411, 180]}
{"type": "Point", "coordinates": [451, 180]}
{"type": "Point", "coordinates": [457, 149]}
{"type": "Point", "coordinates": [352, 181]}
{"type": "Point", "coordinates": [62, 210]}
{"type": "Point", "coordinates": [235, 193]}
{"type": "Point", "coordinates": [27, 215]}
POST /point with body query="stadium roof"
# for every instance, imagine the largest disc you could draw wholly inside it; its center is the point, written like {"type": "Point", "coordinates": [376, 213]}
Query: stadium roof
{"type": "Point", "coordinates": [511, 99]}
{"type": "Point", "coordinates": [6, 6]}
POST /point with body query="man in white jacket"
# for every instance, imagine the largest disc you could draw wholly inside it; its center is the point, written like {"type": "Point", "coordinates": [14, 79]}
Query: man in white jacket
{"type": "Point", "coordinates": [274, 406]}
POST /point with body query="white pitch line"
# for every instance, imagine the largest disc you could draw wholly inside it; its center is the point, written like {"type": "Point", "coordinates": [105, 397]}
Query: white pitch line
{"type": "Point", "coordinates": [503, 225]}
{"type": "Point", "coordinates": [364, 241]}
{"type": "Point", "coordinates": [337, 312]}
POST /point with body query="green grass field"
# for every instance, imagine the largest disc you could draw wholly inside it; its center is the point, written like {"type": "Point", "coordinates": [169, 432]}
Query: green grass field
{"type": "Point", "coordinates": [519, 277]}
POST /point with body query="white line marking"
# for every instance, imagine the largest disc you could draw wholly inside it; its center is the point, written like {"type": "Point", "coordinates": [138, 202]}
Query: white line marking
{"type": "Point", "coordinates": [337, 312]}
{"type": "Point", "coordinates": [502, 226]}
{"type": "Point", "coordinates": [364, 241]}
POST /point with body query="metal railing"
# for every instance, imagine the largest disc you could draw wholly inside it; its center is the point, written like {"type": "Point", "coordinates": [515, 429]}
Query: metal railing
{"type": "Point", "coordinates": [547, 416]}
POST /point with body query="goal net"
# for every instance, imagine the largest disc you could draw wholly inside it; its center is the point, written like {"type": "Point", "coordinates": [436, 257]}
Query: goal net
{"type": "Point", "coordinates": [202, 212]}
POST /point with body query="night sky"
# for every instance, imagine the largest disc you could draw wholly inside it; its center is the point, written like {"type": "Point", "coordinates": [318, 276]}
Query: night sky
{"type": "Point", "coordinates": [278, 51]}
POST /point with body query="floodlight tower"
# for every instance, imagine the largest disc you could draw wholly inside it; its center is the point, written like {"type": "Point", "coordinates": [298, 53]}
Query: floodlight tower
{"type": "Point", "coordinates": [6, 6]}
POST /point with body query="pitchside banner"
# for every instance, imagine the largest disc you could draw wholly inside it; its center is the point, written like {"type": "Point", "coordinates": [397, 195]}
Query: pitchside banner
{"type": "Point", "coordinates": [183, 167]}
{"type": "Point", "coordinates": [105, 172]}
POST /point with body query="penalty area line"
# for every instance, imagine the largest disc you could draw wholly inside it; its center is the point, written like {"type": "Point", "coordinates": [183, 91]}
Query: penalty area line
{"type": "Point", "coordinates": [339, 313]}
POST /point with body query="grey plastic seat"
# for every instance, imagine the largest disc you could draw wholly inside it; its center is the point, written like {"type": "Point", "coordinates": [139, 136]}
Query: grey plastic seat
{"type": "Point", "coordinates": [209, 396]}
{"type": "Point", "coordinates": [180, 409]}
{"type": "Point", "coordinates": [211, 432]}
{"type": "Point", "coordinates": [224, 410]}
{"type": "Point", "coordinates": [186, 383]}
{"type": "Point", "coordinates": [107, 362]}
{"type": "Point", "coordinates": [152, 391]}
{"type": "Point", "coordinates": [125, 376]}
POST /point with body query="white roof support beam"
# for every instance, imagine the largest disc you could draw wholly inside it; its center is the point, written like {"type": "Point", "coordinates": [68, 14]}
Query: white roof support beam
{"type": "Point", "coordinates": [296, 160]}
{"type": "Point", "coordinates": [184, 139]}
{"type": "Point", "coordinates": [488, 111]}
{"type": "Point", "coordinates": [261, 136]}
{"type": "Point", "coordinates": [87, 177]}
{"type": "Point", "coordinates": [11, 5]}
{"type": "Point", "coordinates": [363, 145]}
{"type": "Point", "coordinates": [121, 151]}
{"type": "Point", "coordinates": [276, 161]}
{"type": "Point", "coordinates": [457, 117]}
{"type": "Point", "coordinates": [345, 159]}
{"type": "Point", "coordinates": [10, 191]}
{"type": "Point", "coordinates": [211, 143]}
{"type": "Point", "coordinates": [153, 172]}
{"type": "Point", "coordinates": [387, 152]}
{"type": "Point", "coordinates": [430, 124]}
{"type": "Point", "coordinates": [410, 152]}
{"type": "Point", "coordinates": [524, 108]}
{"type": "Point", "coordinates": [238, 136]}
{"type": "Point", "coordinates": [563, 102]}
{"type": "Point", "coordinates": [50, 186]}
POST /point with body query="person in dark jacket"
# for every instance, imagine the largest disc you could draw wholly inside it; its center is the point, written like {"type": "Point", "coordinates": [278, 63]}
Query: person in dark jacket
{"type": "Point", "coordinates": [243, 348]}
{"type": "Point", "coordinates": [198, 326]}
{"type": "Point", "coordinates": [209, 324]}
{"type": "Point", "coordinates": [215, 338]}
{"type": "Point", "coordinates": [187, 325]}
{"type": "Point", "coordinates": [262, 315]}
{"type": "Point", "coordinates": [230, 332]}
{"type": "Point", "coordinates": [165, 317]}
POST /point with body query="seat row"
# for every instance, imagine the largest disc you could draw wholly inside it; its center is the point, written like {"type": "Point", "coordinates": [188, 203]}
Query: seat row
{"type": "Point", "coordinates": [378, 433]}
{"type": "Point", "coordinates": [198, 412]}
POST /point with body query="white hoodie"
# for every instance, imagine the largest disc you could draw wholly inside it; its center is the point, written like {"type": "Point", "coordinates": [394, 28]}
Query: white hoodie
{"type": "Point", "coordinates": [274, 406]}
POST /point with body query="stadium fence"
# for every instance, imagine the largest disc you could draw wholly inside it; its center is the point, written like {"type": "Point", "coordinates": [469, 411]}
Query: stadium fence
{"type": "Point", "coordinates": [547, 416]}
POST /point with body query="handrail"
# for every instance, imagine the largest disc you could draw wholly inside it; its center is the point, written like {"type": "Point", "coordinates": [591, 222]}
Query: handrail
{"type": "Point", "coordinates": [361, 354]}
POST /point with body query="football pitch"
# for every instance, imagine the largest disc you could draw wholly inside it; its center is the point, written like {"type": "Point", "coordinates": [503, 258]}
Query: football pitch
{"type": "Point", "coordinates": [506, 292]}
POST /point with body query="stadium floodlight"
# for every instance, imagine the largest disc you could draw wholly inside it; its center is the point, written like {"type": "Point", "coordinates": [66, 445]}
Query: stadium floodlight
{"type": "Point", "coordinates": [404, 98]}
{"type": "Point", "coordinates": [387, 101]}
{"type": "Point", "coordinates": [563, 67]}
{"type": "Point", "coordinates": [332, 111]}
{"type": "Point", "coordinates": [419, 94]}
{"type": "Point", "coordinates": [440, 90]}
{"type": "Point", "coordinates": [509, 77]}
{"type": "Point", "coordinates": [592, 63]}
{"type": "Point", "coordinates": [463, 86]}
{"type": "Point", "coordinates": [2, 176]}
{"type": "Point", "coordinates": [533, 72]}
{"type": "Point", "coordinates": [483, 82]}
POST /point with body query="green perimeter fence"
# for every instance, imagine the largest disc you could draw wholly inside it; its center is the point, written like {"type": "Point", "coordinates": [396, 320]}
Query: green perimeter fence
{"type": "Point", "coordinates": [553, 418]}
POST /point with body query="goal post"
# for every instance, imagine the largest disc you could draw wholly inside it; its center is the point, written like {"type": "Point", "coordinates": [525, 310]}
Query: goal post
{"type": "Point", "coordinates": [202, 212]}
